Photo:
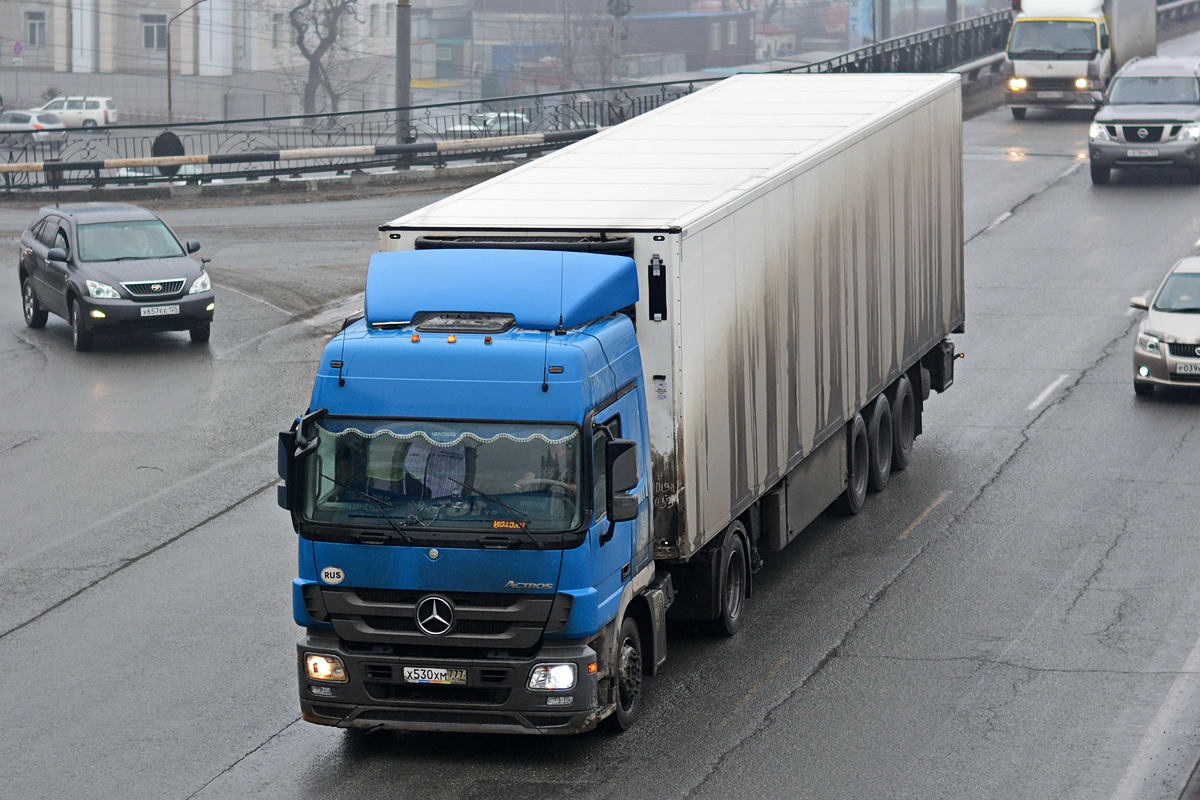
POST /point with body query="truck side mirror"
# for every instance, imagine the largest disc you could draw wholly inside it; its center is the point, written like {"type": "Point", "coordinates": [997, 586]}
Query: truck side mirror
{"type": "Point", "coordinates": [56, 254]}
{"type": "Point", "coordinates": [621, 466]}
{"type": "Point", "coordinates": [287, 446]}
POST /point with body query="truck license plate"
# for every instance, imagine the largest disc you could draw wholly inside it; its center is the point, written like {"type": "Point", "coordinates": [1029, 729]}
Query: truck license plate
{"type": "Point", "coordinates": [1187, 369]}
{"type": "Point", "coordinates": [1141, 153]}
{"type": "Point", "coordinates": [159, 311]}
{"type": "Point", "coordinates": [455, 677]}
{"type": "Point", "coordinates": [1049, 95]}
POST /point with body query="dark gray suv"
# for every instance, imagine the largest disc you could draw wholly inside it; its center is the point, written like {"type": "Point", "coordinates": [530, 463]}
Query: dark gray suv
{"type": "Point", "coordinates": [112, 266]}
{"type": "Point", "coordinates": [1150, 118]}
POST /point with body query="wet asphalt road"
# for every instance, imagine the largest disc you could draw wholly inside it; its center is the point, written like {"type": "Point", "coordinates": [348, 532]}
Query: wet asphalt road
{"type": "Point", "coordinates": [1015, 617]}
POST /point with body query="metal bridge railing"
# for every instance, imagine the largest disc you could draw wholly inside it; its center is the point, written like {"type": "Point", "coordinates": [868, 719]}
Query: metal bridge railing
{"type": "Point", "coordinates": [437, 132]}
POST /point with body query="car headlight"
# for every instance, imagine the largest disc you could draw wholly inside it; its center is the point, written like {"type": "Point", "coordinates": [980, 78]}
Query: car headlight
{"type": "Point", "coordinates": [552, 677]}
{"type": "Point", "coordinates": [1148, 343]}
{"type": "Point", "coordinates": [1097, 131]}
{"type": "Point", "coordinates": [102, 291]}
{"type": "Point", "coordinates": [201, 284]}
{"type": "Point", "coordinates": [1190, 131]}
{"type": "Point", "coordinates": [1017, 84]}
{"type": "Point", "coordinates": [324, 667]}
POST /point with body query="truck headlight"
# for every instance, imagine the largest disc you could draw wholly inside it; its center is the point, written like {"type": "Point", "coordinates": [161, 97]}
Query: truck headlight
{"type": "Point", "coordinates": [1017, 84]}
{"type": "Point", "coordinates": [1190, 131]}
{"type": "Point", "coordinates": [552, 677]}
{"type": "Point", "coordinates": [1083, 83]}
{"type": "Point", "coordinates": [1148, 343]}
{"type": "Point", "coordinates": [1097, 131]}
{"type": "Point", "coordinates": [201, 284]}
{"type": "Point", "coordinates": [102, 291]}
{"type": "Point", "coordinates": [322, 667]}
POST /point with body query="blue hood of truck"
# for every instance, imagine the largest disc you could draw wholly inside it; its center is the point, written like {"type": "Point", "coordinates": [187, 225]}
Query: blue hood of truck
{"type": "Point", "coordinates": [543, 289]}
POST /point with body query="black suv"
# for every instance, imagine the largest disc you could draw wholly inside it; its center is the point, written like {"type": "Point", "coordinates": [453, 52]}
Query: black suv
{"type": "Point", "coordinates": [1150, 118]}
{"type": "Point", "coordinates": [109, 266]}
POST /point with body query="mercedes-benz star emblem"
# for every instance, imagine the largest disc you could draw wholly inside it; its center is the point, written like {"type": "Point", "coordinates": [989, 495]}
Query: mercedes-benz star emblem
{"type": "Point", "coordinates": [435, 615]}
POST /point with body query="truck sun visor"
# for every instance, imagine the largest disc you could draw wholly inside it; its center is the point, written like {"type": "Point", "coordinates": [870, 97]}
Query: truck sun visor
{"type": "Point", "coordinates": [559, 289]}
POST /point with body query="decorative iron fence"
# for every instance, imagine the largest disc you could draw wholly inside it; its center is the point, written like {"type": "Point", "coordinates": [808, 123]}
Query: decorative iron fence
{"type": "Point", "coordinates": [248, 149]}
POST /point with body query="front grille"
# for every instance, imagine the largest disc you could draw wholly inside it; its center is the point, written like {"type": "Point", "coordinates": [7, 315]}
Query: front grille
{"type": "Point", "coordinates": [1052, 84]}
{"type": "Point", "coordinates": [401, 596]}
{"type": "Point", "coordinates": [154, 289]}
{"type": "Point", "coordinates": [1142, 134]}
{"type": "Point", "coordinates": [464, 626]}
{"type": "Point", "coordinates": [436, 695]}
{"type": "Point", "coordinates": [1189, 378]}
{"type": "Point", "coordinates": [1184, 350]}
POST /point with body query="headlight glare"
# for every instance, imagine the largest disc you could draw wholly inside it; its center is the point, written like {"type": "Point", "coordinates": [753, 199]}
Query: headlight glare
{"type": "Point", "coordinates": [1148, 343]}
{"type": "Point", "coordinates": [1017, 84]}
{"type": "Point", "coordinates": [201, 284]}
{"type": "Point", "coordinates": [102, 291]}
{"type": "Point", "coordinates": [1097, 131]}
{"type": "Point", "coordinates": [1190, 131]}
{"type": "Point", "coordinates": [1083, 83]}
{"type": "Point", "coordinates": [552, 677]}
{"type": "Point", "coordinates": [324, 667]}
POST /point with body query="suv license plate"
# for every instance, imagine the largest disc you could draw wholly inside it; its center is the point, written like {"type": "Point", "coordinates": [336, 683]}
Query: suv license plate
{"type": "Point", "coordinates": [1187, 369]}
{"type": "Point", "coordinates": [454, 677]}
{"type": "Point", "coordinates": [1049, 95]}
{"type": "Point", "coordinates": [159, 311]}
{"type": "Point", "coordinates": [1141, 153]}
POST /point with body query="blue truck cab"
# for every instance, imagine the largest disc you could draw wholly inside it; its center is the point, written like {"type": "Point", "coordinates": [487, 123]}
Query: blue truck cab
{"type": "Point", "coordinates": [469, 487]}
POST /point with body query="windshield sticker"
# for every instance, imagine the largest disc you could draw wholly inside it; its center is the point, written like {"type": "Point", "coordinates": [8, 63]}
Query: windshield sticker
{"type": "Point", "coordinates": [508, 524]}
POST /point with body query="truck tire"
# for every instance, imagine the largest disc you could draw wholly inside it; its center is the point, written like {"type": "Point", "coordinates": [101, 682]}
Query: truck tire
{"type": "Point", "coordinates": [858, 462]}
{"type": "Point", "coordinates": [627, 676]}
{"type": "Point", "coordinates": [1101, 175]}
{"type": "Point", "coordinates": [733, 580]}
{"type": "Point", "coordinates": [880, 443]}
{"type": "Point", "coordinates": [1017, 112]}
{"type": "Point", "coordinates": [904, 423]}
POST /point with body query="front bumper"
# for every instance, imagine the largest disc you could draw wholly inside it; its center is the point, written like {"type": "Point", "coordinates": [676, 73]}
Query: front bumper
{"type": "Point", "coordinates": [1104, 153]}
{"type": "Point", "coordinates": [1164, 369]}
{"type": "Point", "coordinates": [493, 700]}
{"type": "Point", "coordinates": [1054, 98]}
{"type": "Point", "coordinates": [124, 314]}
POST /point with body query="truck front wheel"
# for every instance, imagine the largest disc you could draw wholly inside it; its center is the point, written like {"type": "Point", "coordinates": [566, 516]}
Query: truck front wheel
{"type": "Point", "coordinates": [628, 677]}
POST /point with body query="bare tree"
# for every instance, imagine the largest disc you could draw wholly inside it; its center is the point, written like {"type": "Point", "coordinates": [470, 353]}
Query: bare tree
{"type": "Point", "coordinates": [316, 28]}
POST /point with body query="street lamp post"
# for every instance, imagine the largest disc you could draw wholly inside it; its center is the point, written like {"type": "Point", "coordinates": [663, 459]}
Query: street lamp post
{"type": "Point", "coordinates": [170, 105]}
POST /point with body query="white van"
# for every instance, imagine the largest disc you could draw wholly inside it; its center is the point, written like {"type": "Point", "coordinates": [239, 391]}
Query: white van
{"type": "Point", "coordinates": [87, 112]}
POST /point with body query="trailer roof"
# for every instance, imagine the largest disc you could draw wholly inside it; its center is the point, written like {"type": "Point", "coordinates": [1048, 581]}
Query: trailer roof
{"type": "Point", "coordinates": [673, 165]}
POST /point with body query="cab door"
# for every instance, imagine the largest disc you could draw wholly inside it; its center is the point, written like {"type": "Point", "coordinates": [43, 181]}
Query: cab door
{"type": "Point", "coordinates": [617, 556]}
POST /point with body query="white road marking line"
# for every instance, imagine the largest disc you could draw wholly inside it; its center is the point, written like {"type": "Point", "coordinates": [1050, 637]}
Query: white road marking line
{"type": "Point", "coordinates": [1041, 398]}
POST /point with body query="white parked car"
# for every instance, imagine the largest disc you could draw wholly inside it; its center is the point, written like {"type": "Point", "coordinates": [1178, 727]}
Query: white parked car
{"type": "Point", "coordinates": [19, 128]}
{"type": "Point", "coordinates": [85, 112]}
{"type": "Point", "coordinates": [490, 123]}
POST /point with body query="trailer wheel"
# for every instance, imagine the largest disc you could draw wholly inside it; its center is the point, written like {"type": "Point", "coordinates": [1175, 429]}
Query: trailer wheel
{"type": "Point", "coordinates": [733, 580]}
{"type": "Point", "coordinates": [628, 677]}
{"type": "Point", "coordinates": [904, 423]}
{"type": "Point", "coordinates": [879, 439]}
{"type": "Point", "coordinates": [858, 461]}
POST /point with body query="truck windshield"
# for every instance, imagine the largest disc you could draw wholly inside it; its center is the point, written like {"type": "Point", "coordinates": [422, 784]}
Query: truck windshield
{"type": "Point", "coordinates": [1053, 39]}
{"type": "Point", "coordinates": [414, 474]}
{"type": "Point", "coordinates": [1151, 90]}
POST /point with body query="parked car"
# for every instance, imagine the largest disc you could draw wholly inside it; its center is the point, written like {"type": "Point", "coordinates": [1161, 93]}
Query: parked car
{"type": "Point", "coordinates": [1167, 349]}
{"type": "Point", "coordinates": [83, 112]}
{"type": "Point", "coordinates": [182, 174]}
{"type": "Point", "coordinates": [19, 128]}
{"type": "Point", "coordinates": [112, 266]}
{"type": "Point", "coordinates": [489, 123]}
{"type": "Point", "coordinates": [1150, 118]}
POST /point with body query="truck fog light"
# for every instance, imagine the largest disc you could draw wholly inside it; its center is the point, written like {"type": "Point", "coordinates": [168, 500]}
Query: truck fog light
{"type": "Point", "coordinates": [97, 314]}
{"type": "Point", "coordinates": [321, 667]}
{"type": "Point", "coordinates": [1082, 83]}
{"type": "Point", "coordinates": [1144, 372]}
{"type": "Point", "coordinates": [559, 700]}
{"type": "Point", "coordinates": [552, 677]}
{"type": "Point", "coordinates": [210, 306]}
{"type": "Point", "coordinates": [321, 691]}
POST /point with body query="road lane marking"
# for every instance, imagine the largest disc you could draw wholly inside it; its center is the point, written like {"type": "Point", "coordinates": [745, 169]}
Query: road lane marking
{"type": "Point", "coordinates": [1165, 758]}
{"type": "Point", "coordinates": [755, 689]}
{"type": "Point", "coordinates": [1041, 398]}
{"type": "Point", "coordinates": [921, 517]}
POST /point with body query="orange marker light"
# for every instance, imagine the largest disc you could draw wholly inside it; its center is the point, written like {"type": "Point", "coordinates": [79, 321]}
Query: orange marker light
{"type": "Point", "coordinates": [593, 668]}
{"type": "Point", "coordinates": [487, 340]}
{"type": "Point", "coordinates": [452, 338]}
{"type": "Point", "coordinates": [416, 337]}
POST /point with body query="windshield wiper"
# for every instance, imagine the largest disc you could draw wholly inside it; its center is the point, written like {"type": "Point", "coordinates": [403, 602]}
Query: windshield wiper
{"type": "Point", "coordinates": [380, 504]}
{"type": "Point", "coordinates": [504, 505]}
